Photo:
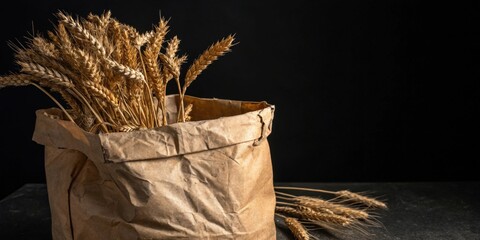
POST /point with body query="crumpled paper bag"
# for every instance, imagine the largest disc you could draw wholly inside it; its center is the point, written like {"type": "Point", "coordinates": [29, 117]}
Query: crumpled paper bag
{"type": "Point", "coordinates": [210, 178]}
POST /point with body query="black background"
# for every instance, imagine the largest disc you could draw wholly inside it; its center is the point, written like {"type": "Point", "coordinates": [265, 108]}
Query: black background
{"type": "Point", "coordinates": [364, 90]}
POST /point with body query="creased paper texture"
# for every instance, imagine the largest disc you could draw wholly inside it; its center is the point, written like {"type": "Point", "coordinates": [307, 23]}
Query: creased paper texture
{"type": "Point", "coordinates": [210, 178]}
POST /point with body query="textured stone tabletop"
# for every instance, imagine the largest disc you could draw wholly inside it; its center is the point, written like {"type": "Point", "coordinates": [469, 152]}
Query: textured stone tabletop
{"type": "Point", "coordinates": [443, 210]}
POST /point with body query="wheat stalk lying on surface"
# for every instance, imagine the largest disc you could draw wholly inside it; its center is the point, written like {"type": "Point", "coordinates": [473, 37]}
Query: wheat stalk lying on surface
{"type": "Point", "coordinates": [312, 215]}
{"type": "Point", "coordinates": [297, 229]}
{"type": "Point", "coordinates": [345, 211]}
{"type": "Point", "coordinates": [321, 205]}
{"type": "Point", "coordinates": [357, 198]}
{"type": "Point", "coordinates": [111, 76]}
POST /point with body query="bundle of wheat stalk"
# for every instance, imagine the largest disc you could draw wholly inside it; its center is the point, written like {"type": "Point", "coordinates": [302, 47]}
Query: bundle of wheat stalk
{"type": "Point", "coordinates": [344, 212]}
{"type": "Point", "coordinates": [112, 77]}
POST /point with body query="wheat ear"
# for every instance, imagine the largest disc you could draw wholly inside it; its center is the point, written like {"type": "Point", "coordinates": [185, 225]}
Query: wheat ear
{"type": "Point", "coordinates": [309, 214]}
{"type": "Point", "coordinates": [357, 198]}
{"type": "Point", "coordinates": [172, 47]}
{"type": "Point", "coordinates": [44, 47]}
{"type": "Point", "coordinates": [156, 40]}
{"type": "Point", "coordinates": [22, 80]}
{"type": "Point", "coordinates": [128, 128]}
{"type": "Point", "coordinates": [46, 58]}
{"type": "Point", "coordinates": [15, 80]}
{"type": "Point", "coordinates": [116, 33]}
{"type": "Point", "coordinates": [188, 110]}
{"type": "Point", "coordinates": [321, 205]}
{"type": "Point", "coordinates": [81, 33]}
{"type": "Point", "coordinates": [155, 77]}
{"type": "Point", "coordinates": [297, 229]}
{"type": "Point", "coordinates": [142, 39]}
{"type": "Point", "coordinates": [103, 92]}
{"type": "Point", "coordinates": [101, 21]}
{"type": "Point", "coordinates": [49, 74]}
{"type": "Point", "coordinates": [89, 65]}
{"type": "Point", "coordinates": [130, 57]}
{"type": "Point", "coordinates": [126, 71]}
{"type": "Point", "coordinates": [206, 58]}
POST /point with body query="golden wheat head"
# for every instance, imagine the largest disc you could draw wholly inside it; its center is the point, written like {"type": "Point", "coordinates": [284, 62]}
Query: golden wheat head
{"type": "Point", "coordinates": [297, 229]}
{"type": "Point", "coordinates": [357, 198]}
{"type": "Point", "coordinates": [321, 205]}
{"type": "Point", "coordinates": [206, 58]}
{"type": "Point", "coordinates": [15, 80]}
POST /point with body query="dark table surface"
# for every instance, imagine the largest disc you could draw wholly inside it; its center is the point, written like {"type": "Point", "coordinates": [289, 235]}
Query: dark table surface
{"type": "Point", "coordinates": [442, 210]}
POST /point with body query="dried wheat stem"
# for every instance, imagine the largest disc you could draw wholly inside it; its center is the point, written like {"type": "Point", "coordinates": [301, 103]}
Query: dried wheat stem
{"type": "Point", "coordinates": [100, 124]}
{"type": "Point", "coordinates": [287, 203]}
{"type": "Point", "coordinates": [285, 194]}
{"type": "Point", "coordinates": [120, 111]}
{"type": "Point", "coordinates": [102, 107]}
{"type": "Point", "coordinates": [181, 112]}
{"type": "Point", "coordinates": [284, 198]}
{"type": "Point", "coordinates": [143, 116]}
{"type": "Point", "coordinates": [132, 103]}
{"type": "Point", "coordinates": [76, 93]}
{"type": "Point", "coordinates": [127, 109]}
{"type": "Point", "coordinates": [55, 101]}
{"type": "Point", "coordinates": [304, 189]}
{"type": "Point", "coordinates": [71, 101]}
{"type": "Point", "coordinates": [154, 121]}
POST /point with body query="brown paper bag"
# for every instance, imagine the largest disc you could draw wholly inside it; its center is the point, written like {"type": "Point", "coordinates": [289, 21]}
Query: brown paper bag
{"type": "Point", "coordinates": [210, 178]}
